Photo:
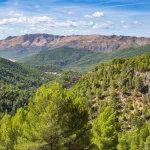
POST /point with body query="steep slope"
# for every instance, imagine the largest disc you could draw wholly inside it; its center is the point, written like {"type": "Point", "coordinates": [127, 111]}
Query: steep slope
{"type": "Point", "coordinates": [122, 84]}
{"type": "Point", "coordinates": [18, 82]}
{"type": "Point", "coordinates": [79, 59]}
{"type": "Point", "coordinates": [27, 45]}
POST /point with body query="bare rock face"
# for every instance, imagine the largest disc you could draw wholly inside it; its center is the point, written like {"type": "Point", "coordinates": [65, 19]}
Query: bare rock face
{"type": "Point", "coordinates": [26, 45]}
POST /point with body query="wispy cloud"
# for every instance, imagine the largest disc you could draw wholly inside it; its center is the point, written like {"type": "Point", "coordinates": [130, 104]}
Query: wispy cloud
{"type": "Point", "coordinates": [104, 25]}
{"type": "Point", "coordinates": [70, 23]}
{"type": "Point", "coordinates": [137, 23]}
{"type": "Point", "coordinates": [24, 19]}
{"type": "Point", "coordinates": [70, 12]}
{"type": "Point", "coordinates": [123, 5]}
{"type": "Point", "coordinates": [124, 26]}
{"type": "Point", "coordinates": [45, 20]}
{"type": "Point", "coordinates": [73, 30]}
{"type": "Point", "coordinates": [96, 14]}
{"type": "Point", "coordinates": [89, 5]}
{"type": "Point", "coordinates": [14, 14]}
{"type": "Point", "coordinates": [122, 21]}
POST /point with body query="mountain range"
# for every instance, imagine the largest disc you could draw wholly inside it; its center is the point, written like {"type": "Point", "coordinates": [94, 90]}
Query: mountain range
{"type": "Point", "coordinates": [26, 45]}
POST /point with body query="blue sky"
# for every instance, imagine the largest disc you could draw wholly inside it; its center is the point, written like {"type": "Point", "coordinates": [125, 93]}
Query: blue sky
{"type": "Point", "coordinates": [76, 17]}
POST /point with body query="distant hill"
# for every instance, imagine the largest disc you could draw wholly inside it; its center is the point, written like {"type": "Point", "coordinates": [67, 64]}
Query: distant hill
{"type": "Point", "coordinates": [79, 59]}
{"type": "Point", "coordinates": [130, 52]}
{"type": "Point", "coordinates": [27, 45]}
{"type": "Point", "coordinates": [64, 57]}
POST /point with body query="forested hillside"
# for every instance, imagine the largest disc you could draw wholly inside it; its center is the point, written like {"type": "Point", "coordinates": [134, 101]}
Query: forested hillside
{"type": "Point", "coordinates": [66, 58]}
{"type": "Point", "coordinates": [18, 82]}
{"type": "Point", "coordinates": [108, 109]}
{"type": "Point", "coordinates": [80, 60]}
{"type": "Point", "coordinates": [124, 85]}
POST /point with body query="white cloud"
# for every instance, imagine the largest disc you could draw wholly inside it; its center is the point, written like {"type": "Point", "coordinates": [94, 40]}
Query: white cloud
{"type": "Point", "coordinates": [25, 31]}
{"type": "Point", "coordinates": [32, 20]}
{"type": "Point", "coordinates": [96, 14]}
{"type": "Point", "coordinates": [87, 16]}
{"type": "Point", "coordinates": [104, 25]}
{"type": "Point", "coordinates": [42, 29]}
{"type": "Point", "coordinates": [44, 20]}
{"type": "Point", "coordinates": [70, 23]}
{"type": "Point", "coordinates": [70, 12]}
{"type": "Point", "coordinates": [32, 25]}
{"type": "Point", "coordinates": [125, 26]}
{"type": "Point", "coordinates": [5, 29]}
{"type": "Point", "coordinates": [137, 23]}
{"type": "Point", "coordinates": [73, 30]}
{"type": "Point", "coordinates": [6, 21]}
{"type": "Point", "coordinates": [14, 14]}
{"type": "Point", "coordinates": [122, 21]}
{"type": "Point", "coordinates": [32, 28]}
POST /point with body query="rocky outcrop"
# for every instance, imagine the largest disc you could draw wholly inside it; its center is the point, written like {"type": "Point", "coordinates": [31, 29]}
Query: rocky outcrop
{"type": "Point", "coordinates": [26, 45]}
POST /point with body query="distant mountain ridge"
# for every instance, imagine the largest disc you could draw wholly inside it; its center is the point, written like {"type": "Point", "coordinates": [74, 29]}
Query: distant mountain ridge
{"type": "Point", "coordinates": [79, 59]}
{"type": "Point", "coordinates": [27, 45]}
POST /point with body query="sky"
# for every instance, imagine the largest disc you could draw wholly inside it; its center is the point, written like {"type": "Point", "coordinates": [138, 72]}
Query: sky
{"type": "Point", "coordinates": [75, 17]}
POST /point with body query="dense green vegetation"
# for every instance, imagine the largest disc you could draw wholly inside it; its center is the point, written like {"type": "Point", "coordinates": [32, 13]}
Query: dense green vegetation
{"type": "Point", "coordinates": [49, 68]}
{"type": "Point", "coordinates": [18, 82]}
{"type": "Point", "coordinates": [78, 59]}
{"type": "Point", "coordinates": [108, 109]}
{"type": "Point", "coordinates": [122, 84]}
{"type": "Point", "coordinates": [48, 123]}
{"type": "Point", "coordinates": [68, 79]}
{"type": "Point", "coordinates": [69, 58]}
{"type": "Point", "coordinates": [130, 52]}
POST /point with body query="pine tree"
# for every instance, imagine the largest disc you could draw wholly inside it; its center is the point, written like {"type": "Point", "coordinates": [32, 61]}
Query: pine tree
{"type": "Point", "coordinates": [105, 130]}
